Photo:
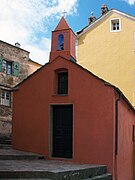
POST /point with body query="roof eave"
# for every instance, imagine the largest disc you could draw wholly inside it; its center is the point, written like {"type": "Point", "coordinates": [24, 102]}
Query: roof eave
{"type": "Point", "coordinates": [93, 24]}
{"type": "Point", "coordinates": [84, 30]}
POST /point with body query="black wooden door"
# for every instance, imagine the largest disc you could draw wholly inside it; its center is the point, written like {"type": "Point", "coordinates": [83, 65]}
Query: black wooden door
{"type": "Point", "coordinates": [62, 131]}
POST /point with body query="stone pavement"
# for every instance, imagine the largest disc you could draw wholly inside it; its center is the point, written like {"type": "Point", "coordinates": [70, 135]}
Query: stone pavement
{"type": "Point", "coordinates": [42, 165]}
{"type": "Point", "coordinates": [10, 154]}
{"type": "Point", "coordinates": [22, 165]}
{"type": "Point", "coordinates": [48, 169]}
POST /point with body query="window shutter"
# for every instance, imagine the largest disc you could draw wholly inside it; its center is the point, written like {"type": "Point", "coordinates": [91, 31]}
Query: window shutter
{"type": "Point", "coordinates": [1, 64]}
{"type": "Point", "coordinates": [15, 68]}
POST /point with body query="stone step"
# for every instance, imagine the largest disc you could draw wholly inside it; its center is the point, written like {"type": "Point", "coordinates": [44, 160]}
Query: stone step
{"type": "Point", "coordinates": [106, 176]}
{"type": "Point", "coordinates": [5, 139]}
{"type": "Point", "coordinates": [10, 154]}
{"type": "Point", "coordinates": [43, 169]}
{"type": "Point", "coordinates": [5, 146]}
{"type": "Point", "coordinates": [16, 164]}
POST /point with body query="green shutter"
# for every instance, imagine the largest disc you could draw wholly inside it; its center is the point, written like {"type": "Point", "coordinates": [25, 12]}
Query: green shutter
{"type": "Point", "coordinates": [1, 63]}
{"type": "Point", "coordinates": [15, 68]}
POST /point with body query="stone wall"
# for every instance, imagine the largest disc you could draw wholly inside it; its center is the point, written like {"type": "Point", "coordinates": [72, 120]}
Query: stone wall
{"type": "Point", "coordinates": [26, 67]}
{"type": "Point", "coordinates": [15, 54]}
{"type": "Point", "coordinates": [5, 122]}
{"type": "Point", "coordinates": [5, 119]}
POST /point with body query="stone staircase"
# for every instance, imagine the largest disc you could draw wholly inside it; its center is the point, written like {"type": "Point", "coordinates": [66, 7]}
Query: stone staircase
{"type": "Point", "coordinates": [5, 139]}
{"type": "Point", "coordinates": [21, 165]}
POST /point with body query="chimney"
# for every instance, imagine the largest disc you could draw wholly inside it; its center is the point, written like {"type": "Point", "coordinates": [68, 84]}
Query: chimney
{"type": "Point", "coordinates": [17, 44]}
{"type": "Point", "coordinates": [104, 9]}
{"type": "Point", "coordinates": [91, 19]}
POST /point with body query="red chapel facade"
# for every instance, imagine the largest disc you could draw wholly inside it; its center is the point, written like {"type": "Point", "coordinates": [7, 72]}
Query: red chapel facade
{"type": "Point", "coordinates": [67, 113]}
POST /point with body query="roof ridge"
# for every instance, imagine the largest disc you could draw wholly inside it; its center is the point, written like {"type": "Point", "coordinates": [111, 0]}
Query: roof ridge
{"type": "Point", "coordinates": [102, 17]}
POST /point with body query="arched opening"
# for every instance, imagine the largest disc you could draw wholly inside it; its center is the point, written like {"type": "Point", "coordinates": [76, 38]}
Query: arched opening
{"type": "Point", "coordinates": [60, 42]}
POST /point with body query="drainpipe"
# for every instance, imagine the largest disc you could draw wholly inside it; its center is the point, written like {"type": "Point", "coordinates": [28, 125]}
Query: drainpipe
{"type": "Point", "coordinates": [116, 131]}
{"type": "Point", "coordinates": [116, 125]}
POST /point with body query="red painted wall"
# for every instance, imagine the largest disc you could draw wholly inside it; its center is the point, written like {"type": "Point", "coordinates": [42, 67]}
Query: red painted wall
{"type": "Point", "coordinates": [73, 44]}
{"type": "Point", "coordinates": [93, 115]}
{"type": "Point", "coordinates": [93, 125]}
{"type": "Point", "coordinates": [125, 143]}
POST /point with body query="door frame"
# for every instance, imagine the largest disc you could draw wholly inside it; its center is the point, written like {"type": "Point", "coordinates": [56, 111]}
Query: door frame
{"type": "Point", "coordinates": [51, 130]}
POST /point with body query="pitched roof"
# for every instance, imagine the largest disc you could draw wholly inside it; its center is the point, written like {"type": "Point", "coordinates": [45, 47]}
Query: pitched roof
{"type": "Point", "coordinates": [14, 46]}
{"type": "Point", "coordinates": [121, 95]}
{"type": "Point", "coordinates": [102, 18]}
{"type": "Point", "coordinates": [34, 62]}
{"type": "Point", "coordinates": [62, 25]}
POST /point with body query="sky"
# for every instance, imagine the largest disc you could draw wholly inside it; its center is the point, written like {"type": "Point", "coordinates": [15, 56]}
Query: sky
{"type": "Point", "coordinates": [30, 22]}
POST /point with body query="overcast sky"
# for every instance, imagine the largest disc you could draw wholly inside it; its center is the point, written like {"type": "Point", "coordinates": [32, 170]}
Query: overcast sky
{"type": "Point", "coordinates": [30, 22]}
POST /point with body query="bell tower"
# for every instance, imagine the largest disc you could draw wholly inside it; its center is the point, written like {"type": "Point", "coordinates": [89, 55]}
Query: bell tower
{"type": "Point", "coordinates": [63, 42]}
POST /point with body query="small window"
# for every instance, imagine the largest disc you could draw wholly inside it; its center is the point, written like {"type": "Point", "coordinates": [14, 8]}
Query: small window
{"type": "Point", "coordinates": [115, 25]}
{"type": "Point", "coordinates": [63, 83]}
{"type": "Point", "coordinates": [60, 42]}
{"type": "Point", "coordinates": [5, 98]}
{"type": "Point", "coordinates": [8, 67]}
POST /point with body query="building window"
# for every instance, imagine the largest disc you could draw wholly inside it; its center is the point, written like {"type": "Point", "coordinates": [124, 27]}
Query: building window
{"type": "Point", "coordinates": [63, 83]}
{"type": "Point", "coordinates": [60, 42]}
{"type": "Point", "coordinates": [115, 25]}
{"type": "Point", "coordinates": [8, 67]}
{"type": "Point", "coordinates": [5, 98]}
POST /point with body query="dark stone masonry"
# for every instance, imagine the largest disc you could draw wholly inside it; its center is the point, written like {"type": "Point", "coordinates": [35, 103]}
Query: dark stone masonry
{"type": "Point", "coordinates": [15, 65]}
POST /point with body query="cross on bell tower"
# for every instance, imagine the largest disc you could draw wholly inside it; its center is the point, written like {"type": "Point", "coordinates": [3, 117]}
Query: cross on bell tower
{"type": "Point", "coordinates": [64, 13]}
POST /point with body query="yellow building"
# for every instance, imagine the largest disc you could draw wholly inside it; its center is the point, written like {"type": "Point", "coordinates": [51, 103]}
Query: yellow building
{"type": "Point", "coordinates": [107, 48]}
